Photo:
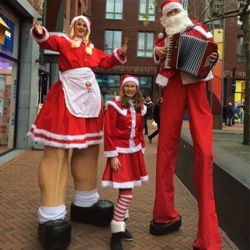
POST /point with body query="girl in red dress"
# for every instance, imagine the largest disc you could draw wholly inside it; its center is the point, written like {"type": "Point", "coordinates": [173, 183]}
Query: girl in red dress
{"type": "Point", "coordinates": [124, 147]}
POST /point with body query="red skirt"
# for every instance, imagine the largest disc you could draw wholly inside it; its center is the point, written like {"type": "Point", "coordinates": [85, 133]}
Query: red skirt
{"type": "Point", "coordinates": [132, 171]}
{"type": "Point", "coordinates": [55, 126]}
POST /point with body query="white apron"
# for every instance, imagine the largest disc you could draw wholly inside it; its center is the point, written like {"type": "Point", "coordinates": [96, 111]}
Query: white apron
{"type": "Point", "coordinates": [81, 92]}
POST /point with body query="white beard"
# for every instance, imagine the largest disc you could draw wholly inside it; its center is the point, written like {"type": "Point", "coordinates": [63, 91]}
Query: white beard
{"type": "Point", "coordinates": [175, 24]}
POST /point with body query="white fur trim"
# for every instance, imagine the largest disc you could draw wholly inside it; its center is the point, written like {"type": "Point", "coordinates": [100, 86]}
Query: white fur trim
{"type": "Point", "coordinates": [109, 154]}
{"type": "Point", "coordinates": [127, 214]}
{"type": "Point", "coordinates": [130, 79]}
{"type": "Point", "coordinates": [40, 40]}
{"type": "Point", "coordinates": [167, 8]}
{"type": "Point", "coordinates": [118, 58]}
{"type": "Point", "coordinates": [124, 185]}
{"type": "Point", "coordinates": [203, 32]}
{"type": "Point", "coordinates": [129, 150]}
{"type": "Point", "coordinates": [117, 226]}
{"type": "Point", "coordinates": [61, 138]}
{"type": "Point", "coordinates": [144, 110]}
{"type": "Point", "coordinates": [160, 35]}
{"type": "Point", "coordinates": [86, 20]}
{"type": "Point", "coordinates": [161, 80]}
{"type": "Point", "coordinates": [155, 59]}
{"type": "Point", "coordinates": [114, 105]}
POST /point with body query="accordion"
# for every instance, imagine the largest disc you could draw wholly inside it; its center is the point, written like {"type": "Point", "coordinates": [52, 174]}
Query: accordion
{"type": "Point", "coordinates": [189, 54]}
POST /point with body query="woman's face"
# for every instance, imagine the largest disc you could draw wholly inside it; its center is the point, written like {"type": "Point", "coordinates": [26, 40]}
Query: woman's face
{"type": "Point", "coordinates": [130, 89]}
{"type": "Point", "coordinates": [80, 29]}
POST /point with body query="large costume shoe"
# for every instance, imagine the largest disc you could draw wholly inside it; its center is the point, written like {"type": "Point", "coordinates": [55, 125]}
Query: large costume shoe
{"type": "Point", "coordinates": [162, 228]}
{"type": "Point", "coordinates": [100, 214]}
{"type": "Point", "coordinates": [55, 235]}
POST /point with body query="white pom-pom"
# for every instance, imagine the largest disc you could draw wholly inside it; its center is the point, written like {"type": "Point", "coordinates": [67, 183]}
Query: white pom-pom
{"type": "Point", "coordinates": [160, 35]}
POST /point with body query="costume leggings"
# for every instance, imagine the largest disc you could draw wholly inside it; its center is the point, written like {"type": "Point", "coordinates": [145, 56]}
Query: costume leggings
{"type": "Point", "coordinates": [125, 196]}
{"type": "Point", "coordinates": [200, 121]}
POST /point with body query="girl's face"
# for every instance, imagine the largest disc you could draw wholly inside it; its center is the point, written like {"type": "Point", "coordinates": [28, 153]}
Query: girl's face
{"type": "Point", "coordinates": [80, 29]}
{"type": "Point", "coordinates": [130, 89]}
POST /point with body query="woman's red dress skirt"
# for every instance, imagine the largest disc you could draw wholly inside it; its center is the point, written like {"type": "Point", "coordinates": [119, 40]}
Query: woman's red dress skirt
{"type": "Point", "coordinates": [55, 126]}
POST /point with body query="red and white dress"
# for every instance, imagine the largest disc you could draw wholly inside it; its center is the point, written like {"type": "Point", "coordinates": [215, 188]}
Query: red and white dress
{"type": "Point", "coordinates": [72, 114]}
{"type": "Point", "coordinates": [123, 137]}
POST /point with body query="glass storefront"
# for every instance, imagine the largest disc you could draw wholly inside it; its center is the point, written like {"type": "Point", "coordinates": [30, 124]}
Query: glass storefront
{"type": "Point", "coordinates": [110, 84]}
{"type": "Point", "coordinates": [8, 79]}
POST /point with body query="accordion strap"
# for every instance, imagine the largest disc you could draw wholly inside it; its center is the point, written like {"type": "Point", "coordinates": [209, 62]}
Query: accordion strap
{"type": "Point", "coordinates": [190, 27]}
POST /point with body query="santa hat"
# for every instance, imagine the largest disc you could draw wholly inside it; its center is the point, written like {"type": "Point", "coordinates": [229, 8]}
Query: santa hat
{"type": "Point", "coordinates": [170, 5]}
{"type": "Point", "coordinates": [129, 78]}
{"type": "Point", "coordinates": [85, 19]}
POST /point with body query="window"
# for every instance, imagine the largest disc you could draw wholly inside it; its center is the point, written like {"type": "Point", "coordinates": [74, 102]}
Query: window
{"type": "Point", "coordinates": [114, 9]}
{"type": "Point", "coordinates": [145, 44]}
{"type": "Point", "coordinates": [240, 53]}
{"type": "Point", "coordinates": [113, 39]}
{"type": "Point", "coordinates": [147, 7]}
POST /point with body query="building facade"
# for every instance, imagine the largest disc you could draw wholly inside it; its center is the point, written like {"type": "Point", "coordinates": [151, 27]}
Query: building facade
{"type": "Point", "coordinates": [25, 72]}
{"type": "Point", "coordinates": [112, 22]}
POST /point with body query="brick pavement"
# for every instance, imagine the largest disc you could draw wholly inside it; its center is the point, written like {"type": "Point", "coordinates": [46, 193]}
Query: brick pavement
{"type": "Point", "coordinates": [19, 196]}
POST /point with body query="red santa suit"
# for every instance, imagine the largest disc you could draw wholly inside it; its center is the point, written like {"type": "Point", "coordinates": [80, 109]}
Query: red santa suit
{"type": "Point", "coordinates": [72, 115]}
{"type": "Point", "coordinates": [123, 137]}
{"type": "Point", "coordinates": [179, 86]}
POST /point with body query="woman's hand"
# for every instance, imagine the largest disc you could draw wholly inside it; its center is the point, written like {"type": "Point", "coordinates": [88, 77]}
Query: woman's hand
{"type": "Point", "coordinates": [115, 164]}
{"type": "Point", "coordinates": [38, 28]}
{"type": "Point", "coordinates": [213, 57]}
{"type": "Point", "coordinates": [160, 52]}
{"type": "Point", "coordinates": [123, 50]}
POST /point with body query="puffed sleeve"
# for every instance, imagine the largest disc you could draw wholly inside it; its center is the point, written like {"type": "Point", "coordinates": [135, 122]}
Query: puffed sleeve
{"type": "Point", "coordinates": [109, 132]}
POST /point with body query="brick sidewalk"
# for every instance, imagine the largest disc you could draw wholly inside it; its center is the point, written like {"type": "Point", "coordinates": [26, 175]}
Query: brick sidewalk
{"type": "Point", "coordinates": [20, 196]}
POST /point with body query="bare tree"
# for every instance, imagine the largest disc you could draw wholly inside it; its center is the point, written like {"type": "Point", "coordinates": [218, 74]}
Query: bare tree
{"type": "Point", "coordinates": [220, 9]}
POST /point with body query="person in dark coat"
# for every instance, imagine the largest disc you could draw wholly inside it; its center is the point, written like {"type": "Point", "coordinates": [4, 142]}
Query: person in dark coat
{"type": "Point", "coordinates": [156, 119]}
{"type": "Point", "coordinates": [230, 114]}
{"type": "Point", "coordinates": [149, 105]}
{"type": "Point", "coordinates": [224, 114]}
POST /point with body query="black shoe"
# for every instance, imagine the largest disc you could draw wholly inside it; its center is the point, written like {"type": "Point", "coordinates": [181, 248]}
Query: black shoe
{"type": "Point", "coordinates": [146, 134]}
{"type": "Point", "coordinates": [100, 214]}
{"type": "Point", "coordinates": [115, 243]}
{"type": "Point", "coordinates": [127, 235]}
{"type": "Point", "coordinates": [162, 228]}
{"type": "Point", "coordinates": [150, 140]}
{"type": "Point", "coordinates": [55, 235]}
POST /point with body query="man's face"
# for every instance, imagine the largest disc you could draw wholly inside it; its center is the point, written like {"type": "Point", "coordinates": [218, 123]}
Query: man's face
{"type": "Point", "coordinates": [173, 12]}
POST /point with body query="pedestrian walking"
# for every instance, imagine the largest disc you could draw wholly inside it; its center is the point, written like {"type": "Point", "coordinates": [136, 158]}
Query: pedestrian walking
{"type": "Point", "coordinates": [156, 114]}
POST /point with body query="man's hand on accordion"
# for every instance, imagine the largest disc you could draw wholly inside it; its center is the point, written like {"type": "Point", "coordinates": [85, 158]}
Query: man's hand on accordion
{"type": "Point", "coordinates": [213, 57]}
{"type": "Point", "coordinates": [161, 52]}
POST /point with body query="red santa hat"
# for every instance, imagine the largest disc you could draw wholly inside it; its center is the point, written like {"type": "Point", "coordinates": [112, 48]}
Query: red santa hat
{"type": "Point", "coordinates": [85, 19]}
{"type": "Point", "coordinates": [167, 7]}
{"type": "Point", "coordinates": [170, 5]}
{"type": "Point", "coordinates": [129, 78]}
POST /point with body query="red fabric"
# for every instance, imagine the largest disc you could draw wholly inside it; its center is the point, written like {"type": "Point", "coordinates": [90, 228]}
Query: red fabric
{"type": "Point", "coordinates": [61, 128]}
{"type": "Point", "coordinates": [201, 122]}
{"type": "Point", "coordinates": [118, 128]}
{"type": "Point", "coordinates": [117, 134]}
{"type": "Point", "coordinates": [55, 126]}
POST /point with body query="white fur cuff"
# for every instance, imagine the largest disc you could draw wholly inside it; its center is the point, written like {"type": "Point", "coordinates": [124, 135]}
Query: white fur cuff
{"type": "Point", "coordinates": [117, 226]}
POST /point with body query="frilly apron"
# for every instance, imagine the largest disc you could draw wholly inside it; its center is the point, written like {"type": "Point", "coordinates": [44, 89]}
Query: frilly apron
{"type": "Point", "coordinates": [81, 92]}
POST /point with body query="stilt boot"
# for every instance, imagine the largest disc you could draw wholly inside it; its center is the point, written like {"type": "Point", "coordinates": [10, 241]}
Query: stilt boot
{"type": "Point", "coordinates": [100, 214]}
{"type": "Point", "coordinates": [55, 235]}
{"type": "Point", "coordinates": [127, 235]}
{"type": "Point", "coordinates": [117, 228]}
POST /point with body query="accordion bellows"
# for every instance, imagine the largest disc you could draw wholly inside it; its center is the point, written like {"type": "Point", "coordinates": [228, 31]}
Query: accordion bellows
{"type": "Point", "coordinates": [190, 54]}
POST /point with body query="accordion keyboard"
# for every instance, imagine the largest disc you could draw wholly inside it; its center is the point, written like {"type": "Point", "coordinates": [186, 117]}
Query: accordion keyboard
{"type": "Point", "coordinates": [169, 42]}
